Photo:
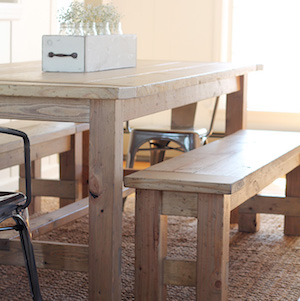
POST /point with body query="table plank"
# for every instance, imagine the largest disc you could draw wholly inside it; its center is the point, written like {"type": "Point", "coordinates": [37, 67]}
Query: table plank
{"type": "Point", "coordinates": [120, 83]}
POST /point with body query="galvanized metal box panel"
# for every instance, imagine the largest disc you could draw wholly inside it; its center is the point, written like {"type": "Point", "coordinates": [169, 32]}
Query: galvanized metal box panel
{"type": "Point", "coordinates": [57, 51]}
{"type": "Point", "coordinates": [88, 53]}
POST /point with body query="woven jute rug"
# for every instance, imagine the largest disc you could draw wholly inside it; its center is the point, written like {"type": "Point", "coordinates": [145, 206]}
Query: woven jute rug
{"type": "Point", "coordinates": [264, 266]}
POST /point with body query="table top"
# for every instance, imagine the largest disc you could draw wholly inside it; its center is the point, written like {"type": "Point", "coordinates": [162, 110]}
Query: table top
{"type": "Point", "coordinates": [148, 78]}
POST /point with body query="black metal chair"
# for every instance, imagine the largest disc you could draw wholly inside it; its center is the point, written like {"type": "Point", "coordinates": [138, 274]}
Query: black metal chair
{"type": "Point", "coordinates": [159, 139]}
{"type": "Point", "coordinates": [14, 205]}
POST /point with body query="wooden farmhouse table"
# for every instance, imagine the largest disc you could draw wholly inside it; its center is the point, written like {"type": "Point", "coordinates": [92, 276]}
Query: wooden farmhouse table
{"type": "Point", "coordinates": [105, 100]}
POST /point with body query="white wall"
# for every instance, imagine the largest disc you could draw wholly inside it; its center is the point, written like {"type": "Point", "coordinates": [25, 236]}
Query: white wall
{"type": "Point", "coordinates": [21, 39]}
{"type": "Point", "coordinates": [171, 29]}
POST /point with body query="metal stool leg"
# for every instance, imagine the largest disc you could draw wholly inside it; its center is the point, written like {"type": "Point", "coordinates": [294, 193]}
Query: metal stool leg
{"type": "Point", "coordinates": [136, 141]}
{"type": "Point", "coordinates": [29, 258]}
{"type": "Point", "coordinates": [157, 153]}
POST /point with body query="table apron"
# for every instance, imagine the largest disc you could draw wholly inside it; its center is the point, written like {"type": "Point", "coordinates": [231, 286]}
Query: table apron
{"type": "Point", "coordinates": [142, 106]}
{"type": "Point", "coordinates": [78, 110]}
{"type": "Point", "coordinates": [44, 108]}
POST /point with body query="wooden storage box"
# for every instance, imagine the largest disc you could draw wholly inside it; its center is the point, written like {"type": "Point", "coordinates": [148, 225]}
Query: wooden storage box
{"type": "Point", "coordinates": [88, 53]}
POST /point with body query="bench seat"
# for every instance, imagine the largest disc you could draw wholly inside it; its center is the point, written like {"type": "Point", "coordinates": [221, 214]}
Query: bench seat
{"type": "Point", "coordinates": [47, 138]}
{"type": "Point", "coordinates": [207, 183]}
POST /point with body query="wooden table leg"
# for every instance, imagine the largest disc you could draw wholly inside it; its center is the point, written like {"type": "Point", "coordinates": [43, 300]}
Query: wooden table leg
{"type": "Point", "coordinates": [292, 223]}
{"type": "Point", "coordinates": [236, 119]}
{"type": "Point", "coordinates": [105, 199]}
{"type": "Point", "coordinates": [213, 247]}
{"type": "Point", "coordinates": [236, 108]}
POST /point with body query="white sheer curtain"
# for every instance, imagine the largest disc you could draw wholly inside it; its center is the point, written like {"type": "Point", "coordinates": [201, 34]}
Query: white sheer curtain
{"type": "Point", "coordinates": [268, 32]}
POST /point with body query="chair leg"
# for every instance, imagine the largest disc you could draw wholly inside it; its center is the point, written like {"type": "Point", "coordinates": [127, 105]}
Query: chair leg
{"type": "Point", "coordinates": [130, 157]}
{"type": "Point", "coordinates": [157, 155]}
{"type": "Point", "coordinates": [135, 143]}
{"type": "Point", "coordinates": [29, 258]}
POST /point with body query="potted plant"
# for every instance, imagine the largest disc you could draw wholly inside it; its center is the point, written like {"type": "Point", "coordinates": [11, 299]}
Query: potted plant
{"type": "Point", "coordinates": [80, 19]}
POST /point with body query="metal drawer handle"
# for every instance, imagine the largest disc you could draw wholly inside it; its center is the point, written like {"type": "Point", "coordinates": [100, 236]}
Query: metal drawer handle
{"type": "Point", "coordinates": [73, 55]}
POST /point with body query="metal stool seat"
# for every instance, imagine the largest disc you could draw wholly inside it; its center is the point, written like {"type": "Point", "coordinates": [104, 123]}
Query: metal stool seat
{"type": "Point", "coordinates": [14, 205]}
{"type": "Point", "coordinates": [159, 140]}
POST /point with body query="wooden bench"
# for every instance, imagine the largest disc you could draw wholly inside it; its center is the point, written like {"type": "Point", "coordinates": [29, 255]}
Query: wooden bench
{"type": "Point", "coordinates": [207, 183]}
{"type": "Point", "coordinates": [71, 142]}
{"type": "Point", "coordinates": [48, 138]}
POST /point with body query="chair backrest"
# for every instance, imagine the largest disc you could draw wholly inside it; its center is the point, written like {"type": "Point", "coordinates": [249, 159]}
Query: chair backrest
{"type": "Point", "coordinates": [184, 117]}
{"type": "Point", "coordinates": [21, 134]}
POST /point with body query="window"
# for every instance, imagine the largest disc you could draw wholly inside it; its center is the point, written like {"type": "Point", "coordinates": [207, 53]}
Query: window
{"type": "Point", "coordinates": [267, 32]}
{"type": "Point", "coordinates": [10, 9]}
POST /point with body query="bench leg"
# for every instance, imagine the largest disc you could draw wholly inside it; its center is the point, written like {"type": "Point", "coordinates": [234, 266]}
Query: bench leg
{"type": "Point", "coordinates": [85, 163]}
{"type": "Point", "coordinates": [292, 223]}
{"type": "Point", "coordinates": [213, 247]}
{"type": "Point", "coordinates": [71, 167]}
{"type": "Point", "coordinates": [249, 222]}
{"type": "Point", "coordinates": [150, 246]}
{"type": "Point", "coordinates": [36, 168]}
